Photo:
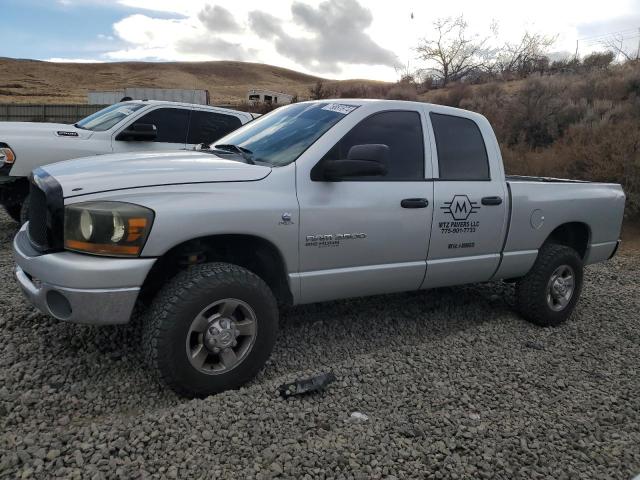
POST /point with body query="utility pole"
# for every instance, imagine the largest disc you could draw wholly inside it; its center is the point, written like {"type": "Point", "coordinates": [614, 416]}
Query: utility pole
{"type": "Point", "coordinates": [576, 55]}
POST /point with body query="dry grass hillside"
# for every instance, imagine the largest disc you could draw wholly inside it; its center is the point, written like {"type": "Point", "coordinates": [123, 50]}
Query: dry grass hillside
{"type": "Point", "coordinates": [580, 123]}
{"type": "Point", "coordinates": [31, 81]}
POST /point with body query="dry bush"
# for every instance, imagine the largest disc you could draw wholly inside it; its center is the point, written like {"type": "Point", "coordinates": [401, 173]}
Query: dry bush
{"type": "Point", "coordinates": [578, 125]}
{"type": "Point", "coordinates": [402, 92]}
{"type": "Point", "coordinates": [259, 107]}
{"type": "Point", "coordinates": [357, 90]}
{"type": "Point", "coordinates": [598, 60]}
{"type": "Point", "coordinates": [601, 151]}
{"type": "Point", "coordinates": [453, 95]}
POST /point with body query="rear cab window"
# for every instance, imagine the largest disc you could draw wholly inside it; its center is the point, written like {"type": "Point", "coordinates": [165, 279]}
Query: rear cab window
{"type": "Point", "coordinates": [462, 154]}
{"type": "Point", "coordinates": [207, 127]}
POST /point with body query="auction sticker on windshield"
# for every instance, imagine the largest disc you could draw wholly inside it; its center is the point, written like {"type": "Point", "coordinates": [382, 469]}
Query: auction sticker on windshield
{"type": "Point", "coordinates": [340, 108]}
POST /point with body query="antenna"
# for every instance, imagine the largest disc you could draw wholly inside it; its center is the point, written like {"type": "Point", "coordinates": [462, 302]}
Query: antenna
{"type": "Point", "coordinates": [193, 93]}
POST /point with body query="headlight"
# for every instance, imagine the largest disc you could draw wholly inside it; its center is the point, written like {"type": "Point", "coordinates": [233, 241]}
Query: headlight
{"type": "Point", "coordinates": [107, 228]}
{"type": "Point", "coordinates": [7, 155]}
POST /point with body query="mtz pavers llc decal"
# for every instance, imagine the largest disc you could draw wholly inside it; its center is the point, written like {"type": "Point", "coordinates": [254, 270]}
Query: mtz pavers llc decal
{"type": "Point", "coordinates": [460, 208]}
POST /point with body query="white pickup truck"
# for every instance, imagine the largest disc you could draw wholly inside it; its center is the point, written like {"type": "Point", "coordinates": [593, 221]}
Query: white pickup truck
{"type": "Point", "coordinates": [312, 202]}
{"type": "Point", "coordinates": [132, 126]}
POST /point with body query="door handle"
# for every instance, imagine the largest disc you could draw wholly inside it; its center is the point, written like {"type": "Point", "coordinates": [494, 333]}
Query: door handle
{"type": "Point", "coordinates": [414, 203]}
{"type": "Point", "coordinates": [491, 200]}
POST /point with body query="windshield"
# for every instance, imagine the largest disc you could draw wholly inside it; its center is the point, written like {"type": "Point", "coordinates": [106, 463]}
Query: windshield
{"type": "Point", "coordinates": [107, 117]}
{"type": "Point", "coordinates": [281, 136]}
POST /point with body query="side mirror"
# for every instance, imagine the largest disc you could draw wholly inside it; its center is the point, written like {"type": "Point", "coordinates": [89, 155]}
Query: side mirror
{"type": "Point", "coordinates": [362, 161]}
{"type": "Point", "coordinates": [139, 132]}
{"type": "Point", "coordinates": [373, 152]}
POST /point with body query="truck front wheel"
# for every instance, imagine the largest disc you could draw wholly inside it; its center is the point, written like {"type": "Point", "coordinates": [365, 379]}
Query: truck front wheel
{"type": "Point", "coordinates": [13, 211]}
{"type": "Point", "coordinates": [548, 294]}
{"type": "Point", "coordinates": [210, 329]}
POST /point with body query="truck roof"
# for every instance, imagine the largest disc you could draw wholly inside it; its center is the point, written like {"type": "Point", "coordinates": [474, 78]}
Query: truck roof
{"type": "Point", "coordinates": [399, 104]}
{"type": "Point", "coordinates": [189, 105]}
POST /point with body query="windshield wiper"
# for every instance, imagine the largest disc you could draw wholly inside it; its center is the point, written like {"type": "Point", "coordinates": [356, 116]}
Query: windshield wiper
{"type": "Point", "coordinates": [78, 126]}
{"type": "Point", "coordinates": [244, 152]}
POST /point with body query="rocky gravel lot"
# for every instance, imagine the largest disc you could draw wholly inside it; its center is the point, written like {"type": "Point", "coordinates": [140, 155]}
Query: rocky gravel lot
{"type": "Point", "coordinates": [453, 383]}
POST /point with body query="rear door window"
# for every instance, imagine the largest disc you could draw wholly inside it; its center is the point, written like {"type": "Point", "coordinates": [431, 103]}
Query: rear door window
{"type": "Point", "coordinates": [462, 154]}
{"type": "Point", "coordinates": [207, 127]}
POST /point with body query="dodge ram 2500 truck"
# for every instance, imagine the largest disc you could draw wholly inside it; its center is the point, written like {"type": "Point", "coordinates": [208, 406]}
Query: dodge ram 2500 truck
{"type": "Point", "coordinates": [132, 126]}
{"type": "Point", "coordinates": [314, 201]}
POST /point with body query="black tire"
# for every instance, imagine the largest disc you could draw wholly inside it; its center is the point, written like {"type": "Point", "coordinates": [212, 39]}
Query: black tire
{"type": "Point", "coordinates": [13, 211]}
{"type": "Point", "coordinates": [24, 211]}
{"type": "Point", "coordinates": [532, 289]}
{"type": "Point", "coordinates": [167, 324]}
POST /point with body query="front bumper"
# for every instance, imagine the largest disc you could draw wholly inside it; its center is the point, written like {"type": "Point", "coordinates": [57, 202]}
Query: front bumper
{"type": "Point", "coordinates": [79, 288]}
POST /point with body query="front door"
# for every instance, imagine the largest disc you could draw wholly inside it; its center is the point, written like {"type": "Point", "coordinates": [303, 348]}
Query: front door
{"type": "Point", "coordinates": [171, 124]}
{"type": "Point", "coordinates": [470, 206]}
{"type": "Point", "coordinates": [358, 237]}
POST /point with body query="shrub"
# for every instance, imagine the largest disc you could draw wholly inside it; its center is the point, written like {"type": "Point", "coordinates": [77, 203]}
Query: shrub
{"type": "Point", "coordinates": [598, 60]}
{"type": "Point", "coordinates": [581, 125]}
{"type": "Point", "coordinates": [402, 92]}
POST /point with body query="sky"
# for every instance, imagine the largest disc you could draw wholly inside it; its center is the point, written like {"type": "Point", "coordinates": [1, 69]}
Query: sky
{"type": "Point", "coordinates": [331, 38]}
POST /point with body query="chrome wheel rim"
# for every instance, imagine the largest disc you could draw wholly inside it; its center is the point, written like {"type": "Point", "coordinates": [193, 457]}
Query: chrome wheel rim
{"type": "Point", "coordinates": [221, 336]}
{"type": "Point", "coordinates": [560, 288]}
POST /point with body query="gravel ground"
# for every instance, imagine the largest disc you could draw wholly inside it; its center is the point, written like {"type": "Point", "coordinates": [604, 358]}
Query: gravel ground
{"type": "Point", "coordinates": [453, 383]}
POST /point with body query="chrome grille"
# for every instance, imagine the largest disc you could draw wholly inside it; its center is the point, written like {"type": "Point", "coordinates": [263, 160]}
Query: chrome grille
{"type": "Point", "coordinates": [46, 212]}
{"type": "Point", "coordinates": [38, 217]}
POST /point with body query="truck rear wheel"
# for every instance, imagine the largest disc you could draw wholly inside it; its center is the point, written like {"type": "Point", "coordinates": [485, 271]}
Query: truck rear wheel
{"type": "Point", "coordinates": [210, 329]}
{"type": "Point", "coordinates": [548, 294]}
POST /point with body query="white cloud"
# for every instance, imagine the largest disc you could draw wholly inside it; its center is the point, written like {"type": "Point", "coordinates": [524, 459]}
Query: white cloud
{"type": "Point", "coordinates": [299, 42]}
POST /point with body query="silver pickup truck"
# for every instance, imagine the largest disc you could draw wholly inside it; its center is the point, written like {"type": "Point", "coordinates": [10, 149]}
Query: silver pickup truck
{"type": "Point", "coordinates": [315, 201]}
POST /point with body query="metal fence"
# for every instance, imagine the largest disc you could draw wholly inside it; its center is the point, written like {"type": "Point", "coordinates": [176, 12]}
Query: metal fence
{"type": "Point", "coordinates": [12, 112]}
{"type": "Point", "coordinates": [71, 113]}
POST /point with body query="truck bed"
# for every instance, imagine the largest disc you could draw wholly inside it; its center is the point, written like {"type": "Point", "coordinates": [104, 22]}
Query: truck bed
{"type": "Point", "coordinates": [539, 205]}
{"type": "Point", "coordinates": [525, 178]}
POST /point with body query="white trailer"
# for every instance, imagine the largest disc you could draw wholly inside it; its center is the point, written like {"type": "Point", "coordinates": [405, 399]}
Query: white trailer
{"type": "Point", "coordinates": [255, 96]}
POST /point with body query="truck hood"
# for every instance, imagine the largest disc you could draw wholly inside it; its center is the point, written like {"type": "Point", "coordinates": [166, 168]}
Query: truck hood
{"type": "Point", "coordinates": [133, 170]}
{"type": "Point", "coordinates": [35, 130]}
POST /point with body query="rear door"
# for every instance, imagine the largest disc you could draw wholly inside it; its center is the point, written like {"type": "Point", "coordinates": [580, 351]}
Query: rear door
{"type": "Point", "coordinates": [470, 202]}
{"type": "Point", "coordinates": [171, 123]}
{"type": "Point", "coordinates": [358, 237]}
{"type": "Point", "coordinates": [207, 126]}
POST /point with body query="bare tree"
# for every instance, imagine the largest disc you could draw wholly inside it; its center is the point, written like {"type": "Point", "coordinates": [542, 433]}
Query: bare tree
{"type": "Point", "coordinates": [618, 44]}
{"type": "Point", "coordinates": [453, 52]}
{"type": "Point", "coordinates": [525, 56]}
{"type": "Point", "coordinates": [405, 74]}
{"type": "Point", "coordinates": [320, 91]}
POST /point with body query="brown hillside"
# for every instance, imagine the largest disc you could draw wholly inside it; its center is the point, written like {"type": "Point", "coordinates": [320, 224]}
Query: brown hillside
{"type": "Point", "coordinates": [32, 81]}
